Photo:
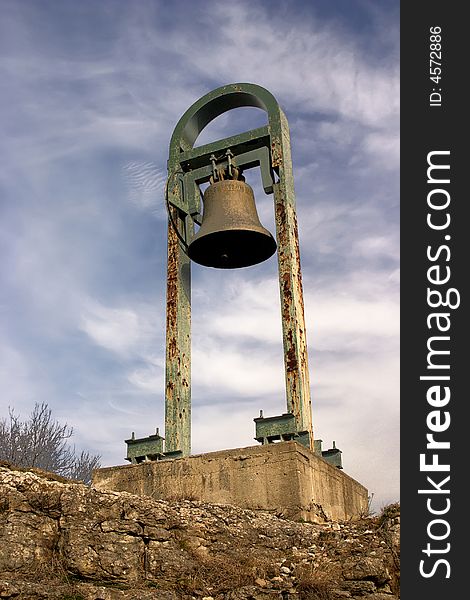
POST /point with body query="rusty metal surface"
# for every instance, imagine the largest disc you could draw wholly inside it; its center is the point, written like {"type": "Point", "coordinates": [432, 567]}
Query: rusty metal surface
{"type": "Point", "coordinates": [290, 284]}
{"type": "Point", "coordinates": [178, 347]}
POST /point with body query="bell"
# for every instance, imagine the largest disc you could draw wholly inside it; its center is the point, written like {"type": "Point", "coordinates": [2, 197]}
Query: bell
{"type": "Point", "coordinates": [231, 235]}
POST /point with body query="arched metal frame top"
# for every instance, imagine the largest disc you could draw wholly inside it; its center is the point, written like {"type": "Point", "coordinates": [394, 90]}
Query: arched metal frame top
{"type": "Point", "coordinates": [216, 103]}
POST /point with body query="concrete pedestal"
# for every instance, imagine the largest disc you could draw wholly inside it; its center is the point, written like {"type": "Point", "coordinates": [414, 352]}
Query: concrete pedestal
{"type": "Point", "coordinates": [285, 478]}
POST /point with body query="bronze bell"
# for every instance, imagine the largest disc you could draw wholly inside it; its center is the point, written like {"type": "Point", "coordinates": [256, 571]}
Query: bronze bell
{"type": "Point", "coordinates": [231, 235]}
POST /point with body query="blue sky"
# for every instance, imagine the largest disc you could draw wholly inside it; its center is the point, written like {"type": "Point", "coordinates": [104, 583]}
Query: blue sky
{"type": "Point", "coordinates": [91, 93]}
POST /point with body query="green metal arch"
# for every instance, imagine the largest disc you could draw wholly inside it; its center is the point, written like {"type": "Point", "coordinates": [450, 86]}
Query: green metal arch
{"type": "Point", "coordinates": [275, 137]}
{"type": "Point", "coordinates": [214, 104]}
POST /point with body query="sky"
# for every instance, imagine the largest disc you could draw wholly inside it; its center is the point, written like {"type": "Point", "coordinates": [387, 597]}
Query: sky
{"type": "Point", "coordinates": [91, 94]}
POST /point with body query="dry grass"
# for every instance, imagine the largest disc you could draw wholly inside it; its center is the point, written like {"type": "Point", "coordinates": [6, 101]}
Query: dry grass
{"type": "Point", "coordinates": [51, 575]}
{"type": "Point", "coordinates": [312, 585]}
{"type": "Point", "coordinates": [220, 575]}
{"type": "Point", "coordinates": [389, 512]}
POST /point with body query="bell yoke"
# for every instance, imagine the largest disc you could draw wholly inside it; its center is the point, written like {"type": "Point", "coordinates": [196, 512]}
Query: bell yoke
{"type": "Point", "coordinates": [231, 236]}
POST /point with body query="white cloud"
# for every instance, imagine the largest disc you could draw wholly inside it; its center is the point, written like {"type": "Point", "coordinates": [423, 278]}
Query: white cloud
{"type": "Point", "coordinates": [150, 378]}
{"type": "Point", "coordinates": [114, 329]}
{"type": "Point", "coordinates": [312, 66]}
{"type": "Point", "coordinates": [16, 381]}
{"type": "Point", "coordinates": [126, 331]}
{"type": "Point", "coordinates": [146, 183]}
{"type": "Point", "coordinates": [234, 370]}
{"type": "Point", "coordinates": [243, 308]}
{"type": "Point", "coordinates": [338, 319]}
{"type": "Point", "coordinates": [383, 148]}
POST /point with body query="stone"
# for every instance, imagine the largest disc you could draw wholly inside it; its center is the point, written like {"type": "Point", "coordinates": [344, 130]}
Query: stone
{"type": "Point", "coordinates": [359, 588]}
{"type": "Point", "coordinates": [380, 596]}
{"type": "Point", "coordinates": [63, 539]}
{"type": "Point", "coordinates": [8, 589]}
{"type": "Point", "coordinates": [369, 568]}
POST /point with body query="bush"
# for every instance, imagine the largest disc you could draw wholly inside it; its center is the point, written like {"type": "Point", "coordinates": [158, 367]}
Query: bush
{"type": "Point", "coordinates": [41, 442]}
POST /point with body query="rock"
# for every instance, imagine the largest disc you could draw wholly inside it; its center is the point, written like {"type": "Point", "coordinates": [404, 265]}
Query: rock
{"type": "Point", "coordinates": [369, 568]}
{"type": "Point", "coordinates": [359, 588]}
{"type": "Point", "coordinates": [8, 590]}
{"type": "Point", "coordinates": [63, 539]}
{"type": "Point", "coordinates": [380, 596]}
{"type": "Point", "coordinates": [252, 593]}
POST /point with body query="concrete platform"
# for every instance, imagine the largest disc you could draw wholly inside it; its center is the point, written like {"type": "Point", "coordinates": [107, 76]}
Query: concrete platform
{"type": "Point", "coordinates": [285, 478]}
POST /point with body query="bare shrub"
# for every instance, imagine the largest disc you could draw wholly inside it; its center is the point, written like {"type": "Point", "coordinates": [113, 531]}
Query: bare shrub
{"type": "Point", "coordinates": [221, 575]}
{"type": "Point", "coordinates": [312, 585]}
{"type": "Point", "coordinates": [41, 442]}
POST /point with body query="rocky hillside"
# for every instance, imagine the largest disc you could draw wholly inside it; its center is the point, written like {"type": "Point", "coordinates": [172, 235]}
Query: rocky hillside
{"type": "Point", "coordinates": [64, 540]}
